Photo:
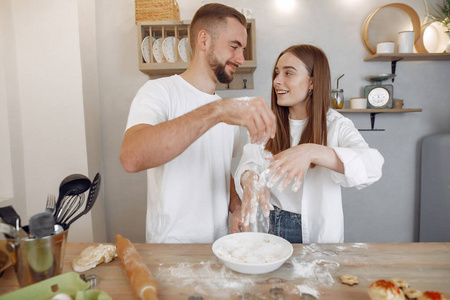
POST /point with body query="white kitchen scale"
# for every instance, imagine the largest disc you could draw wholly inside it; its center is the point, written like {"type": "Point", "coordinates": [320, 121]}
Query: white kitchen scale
{"type": "Point", "coordinates": [379, 95]}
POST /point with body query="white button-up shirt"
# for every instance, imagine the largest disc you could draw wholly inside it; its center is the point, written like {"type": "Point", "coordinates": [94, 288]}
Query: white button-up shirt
{"type": "Point", "coordinates": [319, 199]}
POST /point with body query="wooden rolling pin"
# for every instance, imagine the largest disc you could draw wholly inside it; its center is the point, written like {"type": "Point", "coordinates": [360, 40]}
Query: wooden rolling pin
{"type": "Point", "coordinates": [141, 280]}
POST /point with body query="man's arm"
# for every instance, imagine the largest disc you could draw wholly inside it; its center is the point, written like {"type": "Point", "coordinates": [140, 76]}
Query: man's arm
{"type": "Point", "coordinates": [146, 146]}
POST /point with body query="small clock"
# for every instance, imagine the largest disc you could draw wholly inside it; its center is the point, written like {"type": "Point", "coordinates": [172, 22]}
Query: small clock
{"type": "Point", "coordinates": [379, 95]}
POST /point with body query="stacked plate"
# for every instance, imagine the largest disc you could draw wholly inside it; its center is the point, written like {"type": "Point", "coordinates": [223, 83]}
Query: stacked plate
{"type": "Point", "coordinates": [169, 49]}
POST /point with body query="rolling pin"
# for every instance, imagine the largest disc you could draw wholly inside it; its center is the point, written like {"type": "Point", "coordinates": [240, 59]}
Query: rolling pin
{"type": "Point", "coordinates": [141, 280]}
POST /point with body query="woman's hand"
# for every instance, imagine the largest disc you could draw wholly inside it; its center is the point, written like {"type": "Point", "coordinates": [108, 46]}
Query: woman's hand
{"type": "Point", "coordinates": [293, 163]}
{"type": "Point", "coordinates": [236, 222]}
{"type": "Point", "coordinates": [254, 192]}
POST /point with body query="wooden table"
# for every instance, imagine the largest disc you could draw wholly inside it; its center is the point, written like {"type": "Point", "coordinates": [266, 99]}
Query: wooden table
{"type": "Point", "coordinates": [193, 270]}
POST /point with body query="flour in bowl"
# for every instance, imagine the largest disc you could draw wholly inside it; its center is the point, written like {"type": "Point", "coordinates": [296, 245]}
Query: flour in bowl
{"type": "Point", "coordinates": [252, 249]}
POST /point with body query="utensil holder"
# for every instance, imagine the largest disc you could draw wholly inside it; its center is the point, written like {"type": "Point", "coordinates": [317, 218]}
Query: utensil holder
{"type": "Point", "coordinates": [38, 259]}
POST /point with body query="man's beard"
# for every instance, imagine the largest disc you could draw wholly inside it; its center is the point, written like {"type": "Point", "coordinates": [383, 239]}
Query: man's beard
{"type": "Point", "coordinates": [218, 68]}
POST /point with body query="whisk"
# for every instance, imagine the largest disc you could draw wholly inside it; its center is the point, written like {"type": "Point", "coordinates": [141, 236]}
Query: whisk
{"type": "Point", "coordinates": [70, 204]}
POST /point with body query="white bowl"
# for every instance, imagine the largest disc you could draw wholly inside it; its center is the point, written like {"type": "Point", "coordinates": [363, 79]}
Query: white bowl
{"type": "Point", "coordinates": [358, 103]}
{"type": "Point", "coordinates": [252, 252]}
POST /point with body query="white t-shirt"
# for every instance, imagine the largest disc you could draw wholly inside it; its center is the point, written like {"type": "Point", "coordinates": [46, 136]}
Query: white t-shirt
{"type": "Point", "coordinates": [188, 197]}
{"type": "Point", "coordinates": [319, 199]}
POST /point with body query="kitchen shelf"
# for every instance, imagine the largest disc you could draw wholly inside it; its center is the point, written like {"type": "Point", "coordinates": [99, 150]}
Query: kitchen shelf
{"type": "Point", "coordinates": [395, 57]}
{"type": "Point", "coordinates": [243, 78]}
{"type": "Point", "coordinates": [373, 112]}
{"type": "Point", "coordinates": [409, 57]}
{"type": "Point", "coordinates": [379, 110]}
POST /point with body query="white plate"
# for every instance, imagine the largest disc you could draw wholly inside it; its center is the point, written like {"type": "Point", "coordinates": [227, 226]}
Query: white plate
{"type": "Point", "coordinates": [434, 37]}
{"type": "Point", "coordinates": [169, 49]}
{"type": "Point", "coordinates": [145, 48]}
{"type": "Point", "coordinates": [158, 51]}
{"type": "Point", "coordinates": [252, 252]}
{"type": "Point", "coordinates": [183, 49]}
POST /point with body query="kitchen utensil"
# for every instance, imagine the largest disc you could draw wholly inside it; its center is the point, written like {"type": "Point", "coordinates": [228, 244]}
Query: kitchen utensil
{"type": "Point", "coordinates": [57, 229]}
{"type": "Point", "coordinates": [379, 95]}
{"type": "Point", "coordinates": [158, 51]}
{"type": "Point", "coordinates": [39, 258]}
{"type": "Point", "coordinates": [51, 203]}
{"type": "Point", "coordinates": [385, 47]}
{"type": "Point", "coordinates": [69, 207]}
{"type": "Point", "coordinates": [42, 224]}
{"type": "Point", "coordinates": [10, 216]}
{"type": "Point", "coordinates": [145, 48]}
{"type": "Point", "coordinates": [183, 49]}
{"type": "Point", "coordinates": [170, 48]}
{"type": "Point", "coordinates": [9, 230]}
{"type": "Point", "coordinates": [252, 252]}
{"type": "Point", "coordinates": [358, 103]}
{"type": "Point", "coordinates": [93, 193]}
{"type": "Point", "coordinates": [71, 185]}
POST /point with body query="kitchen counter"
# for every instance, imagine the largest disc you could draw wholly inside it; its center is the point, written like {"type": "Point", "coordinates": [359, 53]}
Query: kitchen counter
{"type": "Point", "coordinates": [192, 270]}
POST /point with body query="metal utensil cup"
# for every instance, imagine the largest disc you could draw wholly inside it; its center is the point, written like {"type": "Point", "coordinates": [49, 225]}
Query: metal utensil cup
{"type": "Point", "coordinates": [37, 259]}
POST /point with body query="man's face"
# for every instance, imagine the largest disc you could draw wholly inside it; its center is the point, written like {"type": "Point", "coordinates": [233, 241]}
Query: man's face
{"type": "Point", "coordinates": [226, 53]}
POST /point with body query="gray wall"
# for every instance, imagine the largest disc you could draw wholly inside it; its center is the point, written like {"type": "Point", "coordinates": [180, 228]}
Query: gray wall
{"type": "Point", "coordinates": [384, 212]}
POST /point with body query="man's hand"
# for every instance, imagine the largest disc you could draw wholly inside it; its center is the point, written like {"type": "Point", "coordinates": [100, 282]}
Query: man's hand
{"type": "Point", "coordinates": [254, 193]}
{"type": "Point", "coordinates": [253, 113]}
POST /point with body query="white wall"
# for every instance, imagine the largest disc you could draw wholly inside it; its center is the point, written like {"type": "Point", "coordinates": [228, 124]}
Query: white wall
{"type": "Point", "coordinates": [75, 86]}
{"type": "Point", "coordinates": [45, 103]}
{"type": "Point", "coordinates": [6, 182]}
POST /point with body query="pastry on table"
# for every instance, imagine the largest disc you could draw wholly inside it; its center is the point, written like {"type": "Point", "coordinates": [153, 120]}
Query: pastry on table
{"type": "Point", "coordinates": [432, 296]}
{"type": "Point", "coordinates": [400, 283]}
{"type": "Point", "coordinates": [412, 294]}
{"type": "Point", "coordinates": [384, 290]}
{"type": "Point", "coordinates": [349, 279]}
{"type": "Point", "coordinates": [92, 256]}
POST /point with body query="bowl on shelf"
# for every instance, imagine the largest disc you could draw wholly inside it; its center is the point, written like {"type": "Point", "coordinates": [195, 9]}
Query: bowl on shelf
{"type": "Point", "coordinates": [358, 103]}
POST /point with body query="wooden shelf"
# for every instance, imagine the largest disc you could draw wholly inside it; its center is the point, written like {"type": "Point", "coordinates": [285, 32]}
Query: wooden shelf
{"type": "Point", "coordinates": [409, 57]}
{"type": "Point", "coordinates": [373, 112]}
{"type": "Point", "coordinates": [162, 29]}
{"type": "Point", "coordinates": [379, 110]}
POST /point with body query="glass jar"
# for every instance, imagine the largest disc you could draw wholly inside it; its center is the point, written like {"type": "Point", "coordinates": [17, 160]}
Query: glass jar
{"type": "Point", "coordinates": [337, 98]}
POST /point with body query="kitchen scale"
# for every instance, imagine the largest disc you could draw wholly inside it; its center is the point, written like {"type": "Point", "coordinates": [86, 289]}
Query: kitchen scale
{"type": "Point", "coordinates": [379, 95]}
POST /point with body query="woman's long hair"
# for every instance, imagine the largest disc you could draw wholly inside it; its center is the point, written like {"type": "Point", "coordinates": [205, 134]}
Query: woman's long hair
{"type": "Point", "coordinates": [317, 104]}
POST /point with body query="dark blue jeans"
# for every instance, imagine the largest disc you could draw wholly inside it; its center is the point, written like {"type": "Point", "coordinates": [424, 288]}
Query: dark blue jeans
{"type": "Point", "coordinates": [286, 224]}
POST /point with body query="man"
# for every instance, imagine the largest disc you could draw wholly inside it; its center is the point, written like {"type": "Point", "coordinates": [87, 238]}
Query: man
{"type": "Point", "coordinates": [179, 131]}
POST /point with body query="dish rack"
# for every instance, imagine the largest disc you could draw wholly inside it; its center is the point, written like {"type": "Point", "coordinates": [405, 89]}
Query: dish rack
{"type": "Point", "coordinates": [150, 32]}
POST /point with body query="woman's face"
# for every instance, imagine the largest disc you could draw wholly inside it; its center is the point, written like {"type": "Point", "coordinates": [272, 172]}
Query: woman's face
{"type": "Point", "coordinates": [291, 83]}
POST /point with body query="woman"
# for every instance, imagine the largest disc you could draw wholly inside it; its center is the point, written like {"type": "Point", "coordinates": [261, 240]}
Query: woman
{"type": "Point", "coordinates": [315, 151]}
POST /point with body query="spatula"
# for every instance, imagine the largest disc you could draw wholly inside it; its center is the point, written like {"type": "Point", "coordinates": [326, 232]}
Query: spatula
{"type": "Point", "coordinates": [93, 193]}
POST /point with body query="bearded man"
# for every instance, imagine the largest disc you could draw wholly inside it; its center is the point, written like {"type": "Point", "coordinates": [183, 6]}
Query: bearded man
{"type": "Point", "coordinates": [186, 136]}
